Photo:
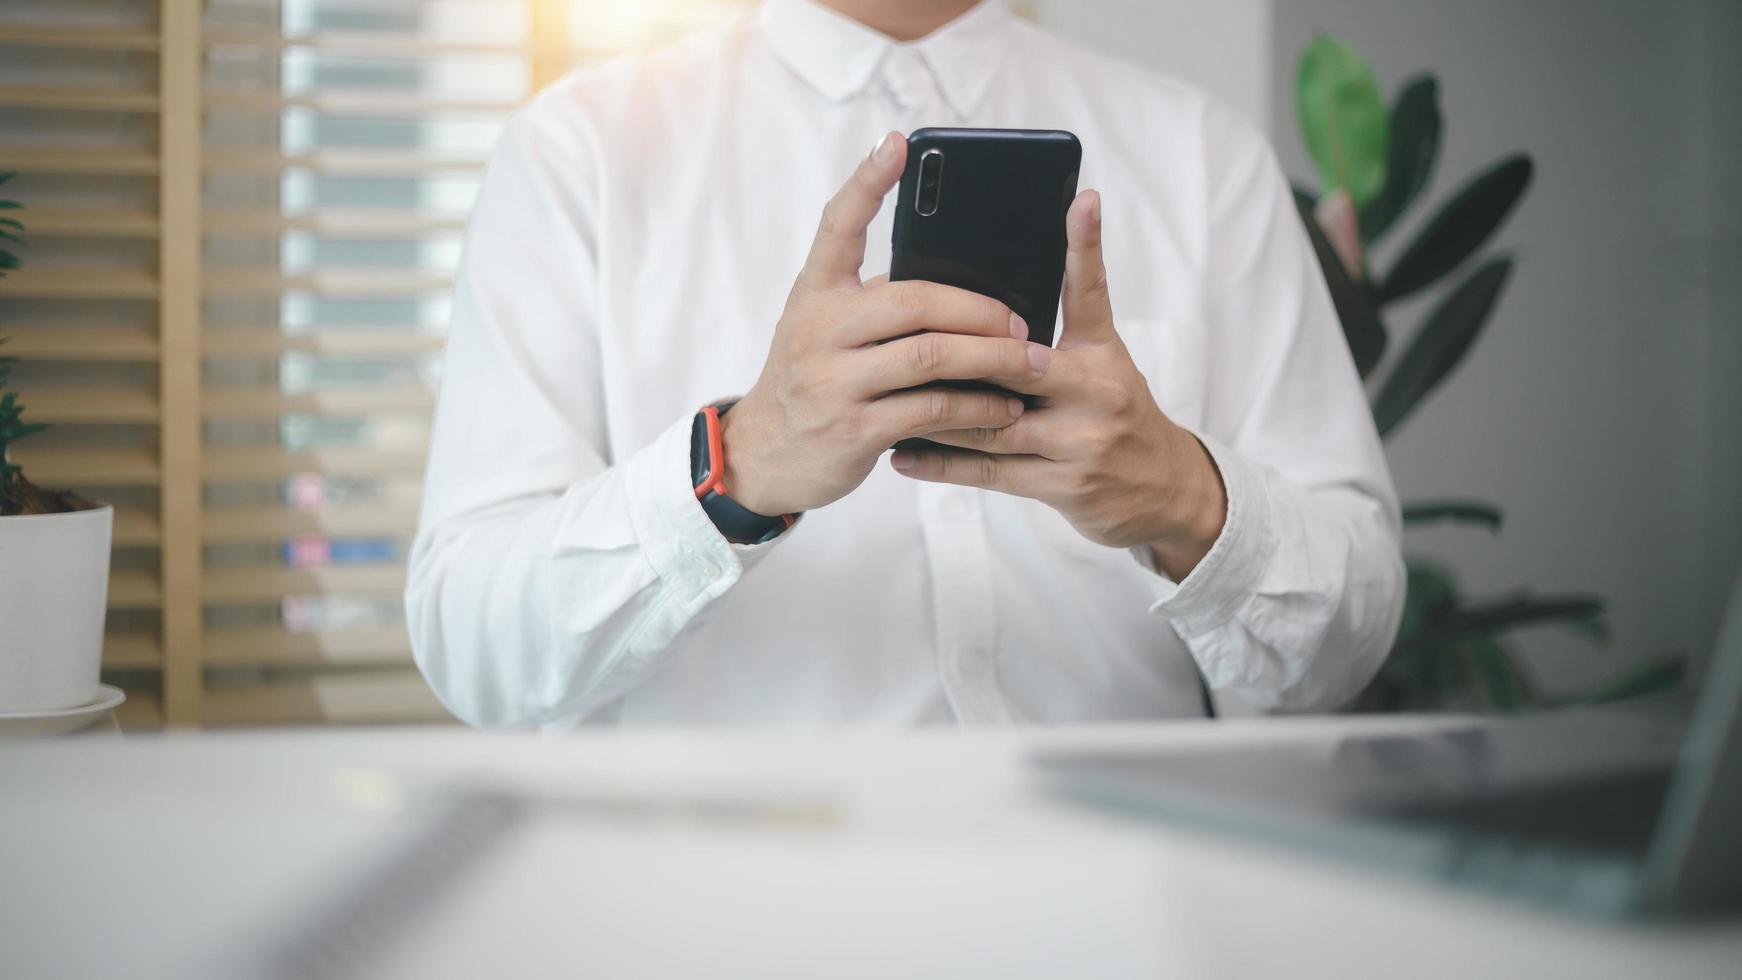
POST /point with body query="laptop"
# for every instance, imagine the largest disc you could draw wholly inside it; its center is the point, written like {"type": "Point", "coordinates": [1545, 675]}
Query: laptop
{"type": "Point", "coordinates": [1609, 812]}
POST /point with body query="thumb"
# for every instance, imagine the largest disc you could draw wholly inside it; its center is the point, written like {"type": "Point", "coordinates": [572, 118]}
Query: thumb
{"type": "Point", "coordinates": [1088, 310]}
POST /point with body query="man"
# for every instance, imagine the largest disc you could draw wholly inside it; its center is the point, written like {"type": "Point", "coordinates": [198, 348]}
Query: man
{"type": "Point", "coordinates": [1198, 487]}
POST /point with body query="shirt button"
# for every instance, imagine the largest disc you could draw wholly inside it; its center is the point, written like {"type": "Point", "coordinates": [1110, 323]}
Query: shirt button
{"type": "Point", "coordinates": [906, 78]}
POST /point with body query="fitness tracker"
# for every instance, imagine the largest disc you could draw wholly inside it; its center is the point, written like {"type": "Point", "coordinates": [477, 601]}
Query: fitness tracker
{"type": "Point", "coordinates": [738, 523]}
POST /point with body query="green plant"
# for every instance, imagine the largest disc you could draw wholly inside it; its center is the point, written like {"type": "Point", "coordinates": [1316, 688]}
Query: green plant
{"type": "Point", "coordinates": [1374, 164]}
{"type": "Point", "coordinates": [12, 428]}
{"type": "Point", "coordinates": [17, 494]}
{"type": "Point", "coordinates": [11, 231]}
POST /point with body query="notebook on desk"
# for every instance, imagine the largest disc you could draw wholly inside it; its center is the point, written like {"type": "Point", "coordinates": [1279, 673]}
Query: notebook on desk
{"type": "Point", "coordinates": [1606, 812]}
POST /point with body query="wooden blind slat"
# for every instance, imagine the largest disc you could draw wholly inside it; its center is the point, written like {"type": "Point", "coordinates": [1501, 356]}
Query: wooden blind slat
{"type": "Point", "coordinates": [132, 650]}
{"type": "Point", "coordinates": [271, 463]}
{"type": "Point", "coordinates": [98, 283]}
{"type": "Point", "coordinates": [134, 590]}
{"type": "Point", "coordinates": [343, 163]}
{"type": "Point", "coordinates": [75, 406]}
{"type": "Point", "coordinates": [233, 525]}
{"type": "Point", "coordinates": [265, 342]}
{"type": "Point", "coordinates": [333, 223]}
{"type": "Point", "coordinates": [354, 283]}
{"type": "Point", "coordinates": [233, 403]}
{"type": "Point", "coordinates": [82, 343]}
{"type": "Point", "coordinates": [78, 98]}
{"type": "Point", "coordinates": [374, 43]}
{"type": "Point", "coordinates": [93, 223]}
{"type": "Point", "coordinates": [349, 103]}
{"type": "Point", "coordinates": [97, 468]}
{"type": "Point", "coordinates": [77, 37]}
{"type": "Point", "coordinates": [78, 160]}
{"type": "Point", "coordinates": [247, 584]}
{"type": "Point", "coordinates": [272, 646]}
{"type": "Point", "coordinates": [136, 528]}
{"type": "Point", "coordinates": [399, 696]}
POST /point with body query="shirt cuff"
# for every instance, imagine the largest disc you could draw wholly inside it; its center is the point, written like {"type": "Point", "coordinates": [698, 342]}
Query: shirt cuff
{"type": "Point", "coordinates": [677, 536]}
{"type": "Point", "coordinates": [1229, 574]}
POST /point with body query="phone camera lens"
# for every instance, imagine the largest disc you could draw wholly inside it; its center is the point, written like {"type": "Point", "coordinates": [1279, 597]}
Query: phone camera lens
{"type": "Point", "coordinates": [931, 179]}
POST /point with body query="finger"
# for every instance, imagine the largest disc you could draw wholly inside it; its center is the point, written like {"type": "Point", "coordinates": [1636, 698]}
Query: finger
{"type": "Point", "coordinates": [896, 309]}
{"type": "Point", "coordinates": [1088, 311]}
{"type": "Point", "coordinates": [927, 357]}
{"type": "Point", "coordinates": [839, 248]}
{"type": "Point", "coordinates": [1024, 476]}
{"type": "Point", "coordinates": [1053, 374]}
{"type": "Point", "coordinates": [1027, 436]}
{"type": "Point", "coordinates": [907, 414]}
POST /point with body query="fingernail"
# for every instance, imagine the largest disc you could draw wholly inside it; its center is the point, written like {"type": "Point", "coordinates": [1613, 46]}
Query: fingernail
{"type": "Point", "coordinates": [1016, 406]}
{"type": "Point", "coordinates": [1095, 209]}
{"type": "Point", "coordinates": [1039, 358]}
{"type": "Point", "coordinates": [1018, 327]}
{"type": "Point", "coordinates": [885, 148]}
{"type": "Point", "coordinates": [902, 460]}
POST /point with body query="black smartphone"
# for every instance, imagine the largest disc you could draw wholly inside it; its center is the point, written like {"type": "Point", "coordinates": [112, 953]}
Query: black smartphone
{"type": "Point", "coordinates": [984, 209]}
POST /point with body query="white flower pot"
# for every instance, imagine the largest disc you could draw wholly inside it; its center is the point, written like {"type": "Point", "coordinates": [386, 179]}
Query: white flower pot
{"type": "Point", "coordinates": [54, 591]}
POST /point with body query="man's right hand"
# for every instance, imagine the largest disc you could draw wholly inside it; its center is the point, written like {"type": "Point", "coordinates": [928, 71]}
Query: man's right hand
{"type": "Point", "coordinates": [836, 390]}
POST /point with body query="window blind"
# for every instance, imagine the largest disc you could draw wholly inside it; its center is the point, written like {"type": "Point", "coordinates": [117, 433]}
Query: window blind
{"type": "Point", "coordinates": [243, 218]}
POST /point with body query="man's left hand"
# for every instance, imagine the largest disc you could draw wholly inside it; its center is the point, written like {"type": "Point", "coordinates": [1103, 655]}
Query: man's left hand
{"type": "Point", "coordinates": [1096, 447]}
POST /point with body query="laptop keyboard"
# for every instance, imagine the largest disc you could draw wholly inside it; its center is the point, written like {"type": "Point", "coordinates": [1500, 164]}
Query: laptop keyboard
{"type": "Point", "coordinates": [1612, 814]}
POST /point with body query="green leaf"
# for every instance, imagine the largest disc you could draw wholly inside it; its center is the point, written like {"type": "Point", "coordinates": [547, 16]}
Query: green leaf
{"type": "Point", "coordinates": [1460, 228]}
{"type": "Point", "coordinates": [1486, 619]}
{"type": "Point", "coordinates": [1502, 679]}
{"type": "Point", "coordinates": [1441, 343]}
{"type": "Point", "coordinates": [1415, 150]}
{"type": "Point", "coordinates": [11, 223]}
{"type": "Point", "coordinates": [1656, 674]}
{"type": "Point", "coordinates": [1455, 511]}
{"type": "Point", "coordinates": [1342, 116]}
{"type": "Point", "coordinates": [29, 430]}
{"type": "Point", "coordinates": [1430, 593]}
{"type": "Point", "coordinates": [1365, 334]}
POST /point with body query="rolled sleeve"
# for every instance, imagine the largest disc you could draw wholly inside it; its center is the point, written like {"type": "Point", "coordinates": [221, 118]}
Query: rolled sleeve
{"type": "Point", "coordinates": [677, 536]}
{"type": "Point", "coordinates": [1231, 571]}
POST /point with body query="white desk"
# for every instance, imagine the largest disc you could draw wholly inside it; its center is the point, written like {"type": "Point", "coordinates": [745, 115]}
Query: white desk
{"type": "Point", "coordinates": [142, 858]}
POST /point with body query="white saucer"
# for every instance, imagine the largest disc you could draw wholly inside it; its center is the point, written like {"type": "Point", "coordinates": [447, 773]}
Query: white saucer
{"type": "Point", "coordinates": [29, 724]}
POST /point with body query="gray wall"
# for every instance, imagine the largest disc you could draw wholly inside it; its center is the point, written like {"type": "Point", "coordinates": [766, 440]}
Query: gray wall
{"type": "Point", "coordinates": [1712, 222]}
{"type": "Point", "coordinates": [1601, 408]}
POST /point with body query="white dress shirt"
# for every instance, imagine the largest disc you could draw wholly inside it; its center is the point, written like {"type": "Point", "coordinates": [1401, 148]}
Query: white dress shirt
{"type": "Point", "coordinates": [638, 229]}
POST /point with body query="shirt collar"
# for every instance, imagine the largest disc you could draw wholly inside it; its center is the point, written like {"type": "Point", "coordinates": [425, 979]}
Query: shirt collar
{"type": "Point", "coordinates": [838, 56]}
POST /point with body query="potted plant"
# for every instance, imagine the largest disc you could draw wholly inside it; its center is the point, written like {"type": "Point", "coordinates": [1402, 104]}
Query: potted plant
{"type": "Point", "coordinates": [54, 563]}
{"type": "Point", "coordinates": [1374, 164]}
